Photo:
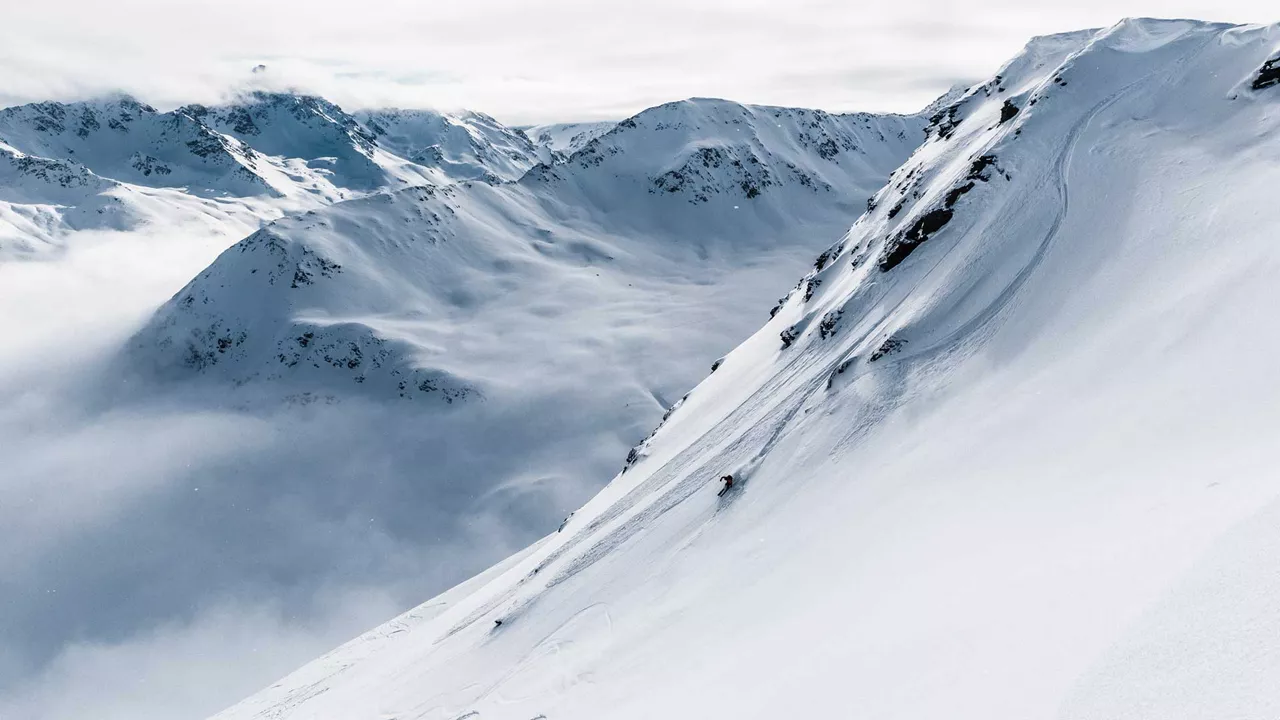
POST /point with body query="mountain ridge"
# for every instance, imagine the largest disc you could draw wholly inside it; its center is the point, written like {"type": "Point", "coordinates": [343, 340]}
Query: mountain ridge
{"type": "Point", "coordinates": [609, 204]}
{"type": "Point", "coordinates": [978, 460]}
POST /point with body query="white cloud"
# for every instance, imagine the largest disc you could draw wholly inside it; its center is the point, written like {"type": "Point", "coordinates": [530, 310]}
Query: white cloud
{"type": "Point", "coordinates": [526, 62]}
{"type": "Point", "coordinates": [189, 669]}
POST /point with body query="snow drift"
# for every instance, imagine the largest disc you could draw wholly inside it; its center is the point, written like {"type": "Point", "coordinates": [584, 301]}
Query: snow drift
{"type": "Point", "coordinates": [1005, 452]}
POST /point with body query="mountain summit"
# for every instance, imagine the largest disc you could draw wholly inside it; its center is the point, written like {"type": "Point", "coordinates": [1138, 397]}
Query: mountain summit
{"type": "Point", "coordinates": [1004, 452]}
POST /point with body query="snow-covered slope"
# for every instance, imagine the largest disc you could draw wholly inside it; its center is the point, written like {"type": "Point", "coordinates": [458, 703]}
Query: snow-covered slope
{"type": "Point", "coordinates": [415, 293]}
{"type": "Point", "coordinates": [703, 149]}
{"type": "Point", "coordinates": [1006, 452]}
{"type": "Point", "coordinates": [129, 141]}
{"type": "Point", "coordinates": [558, 141]}
{"type": "Point", "coordinates": [466, 146]}
{"type": "Point", "coordinates": [39, 198]}
{"type": "Point", "coordinates": [305, 127]}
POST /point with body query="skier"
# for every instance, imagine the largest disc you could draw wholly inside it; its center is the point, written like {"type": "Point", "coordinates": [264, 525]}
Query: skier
{"type": "Point", "coordinates": [728, 483]}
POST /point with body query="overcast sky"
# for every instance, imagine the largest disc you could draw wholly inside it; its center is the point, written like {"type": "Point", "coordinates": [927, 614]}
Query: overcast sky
{"type": "Point", "coordinates": [525, 61]}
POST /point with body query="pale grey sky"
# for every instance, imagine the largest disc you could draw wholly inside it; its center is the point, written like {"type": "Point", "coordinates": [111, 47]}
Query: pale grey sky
{"type": "Point", "coordinates": [526, 61]}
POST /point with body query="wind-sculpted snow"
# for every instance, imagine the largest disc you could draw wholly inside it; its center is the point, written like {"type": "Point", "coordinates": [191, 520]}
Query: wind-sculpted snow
{"type": "Point", "coordinates": [1006, 451]}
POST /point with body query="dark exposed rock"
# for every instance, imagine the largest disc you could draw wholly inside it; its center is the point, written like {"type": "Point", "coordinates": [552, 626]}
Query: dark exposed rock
{"type": "Point", "coordinates": [822, 260]}
{"type": "Point", "coordinates": [810, 287]}
{"type": "Point", "coordinates": [979, 166]}
{"type": "Point", "coordinates": [954, 194]}
{"type": "Point", "coordinates": [888, 347]}
{"type": "Point", "coordinates": [698, 177]}
{"type": "Point", "coordinates": [945, 121]}
{"type": "Point", "coordinates": [788, 336]}
{"type": "Point", "coordinates": [1268, 74]}
{"type": "Point", "coordinates": [147, 165]}
{"type": "Point", "coordinates": [1008, 111]}
{"type": "Point", "coordinates": [924, 227]}
{"type": "Point", "coordinates": [829, 323]}
{"type": "Point", "coordinates": [55, 172]}
{"type": "Point", "coordinates": [931, 222]}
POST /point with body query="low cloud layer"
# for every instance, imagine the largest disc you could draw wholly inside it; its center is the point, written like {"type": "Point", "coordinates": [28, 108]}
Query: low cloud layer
{"type": "Point", "coordinates": [188, 668]}
{"type": "Point", "coordinates": [147, 540]}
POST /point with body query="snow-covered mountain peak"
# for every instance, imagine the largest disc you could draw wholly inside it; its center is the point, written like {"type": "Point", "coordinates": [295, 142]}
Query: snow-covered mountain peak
{"type": "Point", "coordinates": [301, 305]}
{"type": "Point", "coordinates": [306, 127]}
{"type": "Point", "coordinates": [257, 113]}
{"type": "Point", "coordinates": [705, 150]}
{"type": "Point", "coordinates": [124, 139]}
{"type": "Point", "coordinates": [1004, 453]}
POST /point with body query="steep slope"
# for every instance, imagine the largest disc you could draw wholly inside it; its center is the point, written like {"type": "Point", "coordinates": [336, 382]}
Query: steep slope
{"type": "Point", "coordinates": [690, 194]}
{"type": "Point", "coordinates": [306, 127]}
{"type": "Point", "coordinates": [1006, 452]}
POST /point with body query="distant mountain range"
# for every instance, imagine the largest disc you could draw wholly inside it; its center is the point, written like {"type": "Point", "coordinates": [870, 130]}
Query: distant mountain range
{"type": "Point", "coordinates": [414, 292]}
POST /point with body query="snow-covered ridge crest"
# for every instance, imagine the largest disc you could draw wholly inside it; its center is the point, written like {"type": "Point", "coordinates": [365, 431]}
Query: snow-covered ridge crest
{"type": "Point", "coordinates": [560, 140]}
{"type": "Point", "coordinates": [1004, 453]}
{"type": "Point", "coordinates": [699, 148]}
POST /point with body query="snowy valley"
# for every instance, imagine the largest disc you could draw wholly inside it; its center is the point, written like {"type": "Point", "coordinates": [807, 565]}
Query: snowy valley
{"type": "Point", "coordinates": [1005, 451]}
